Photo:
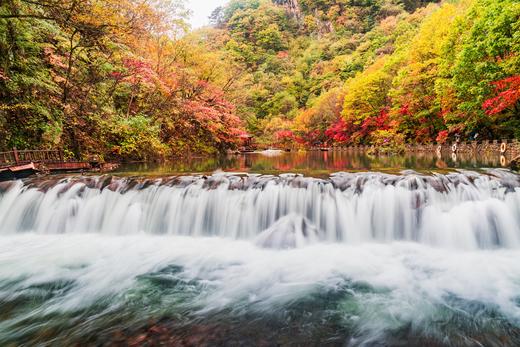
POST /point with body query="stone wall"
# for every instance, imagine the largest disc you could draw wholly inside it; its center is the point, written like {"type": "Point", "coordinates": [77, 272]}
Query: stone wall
{"type": "Point", "coordinates": [485, 147]}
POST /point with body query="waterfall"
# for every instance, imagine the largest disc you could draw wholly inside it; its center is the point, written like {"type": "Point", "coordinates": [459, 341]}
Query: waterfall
{"type": "Point", "coordinates": [359, 259]}
{"type": "Point", "coordinates": [466, 210]}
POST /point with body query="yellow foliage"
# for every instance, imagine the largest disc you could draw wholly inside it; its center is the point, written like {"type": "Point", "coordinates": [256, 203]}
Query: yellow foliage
{"type": "Point", "coordinates": [366, 92]}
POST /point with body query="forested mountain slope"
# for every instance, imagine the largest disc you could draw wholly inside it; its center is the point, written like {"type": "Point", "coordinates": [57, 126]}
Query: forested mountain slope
{"type": "Point", "coordinates": [381, 72]}
{"type": "Point", "coordinates": [126, 79]}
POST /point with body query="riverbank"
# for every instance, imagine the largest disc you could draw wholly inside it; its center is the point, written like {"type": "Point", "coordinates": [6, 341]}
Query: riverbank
{"type": "Point", "coordinates": [510, 149]}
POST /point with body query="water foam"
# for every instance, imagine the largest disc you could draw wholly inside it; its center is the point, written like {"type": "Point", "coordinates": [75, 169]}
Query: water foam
{"type": "Point", "coordinates": [435, 256]}
{"type": "Point", "coordinates": [386, 286]}
{"type": "Point", "coordinates": [460, 210]}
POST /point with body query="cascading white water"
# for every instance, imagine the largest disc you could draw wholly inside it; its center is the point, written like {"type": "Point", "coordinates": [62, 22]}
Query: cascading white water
{"type": "Point", "coordinates": [84, 258]}
{"type": "Point", "coordinates": [458, 210]}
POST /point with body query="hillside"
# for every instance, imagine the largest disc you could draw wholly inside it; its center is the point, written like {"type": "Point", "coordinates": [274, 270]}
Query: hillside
{"type": "Point", "coordinates": [113, 78]}
{"type": "Point", "coordinates": [126, 79]}
{"type": "Point", "coordinates": [383, 72]}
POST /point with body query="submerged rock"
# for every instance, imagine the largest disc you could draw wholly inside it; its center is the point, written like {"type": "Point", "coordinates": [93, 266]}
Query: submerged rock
{"type": "Point", "coordinates": [291, 231]}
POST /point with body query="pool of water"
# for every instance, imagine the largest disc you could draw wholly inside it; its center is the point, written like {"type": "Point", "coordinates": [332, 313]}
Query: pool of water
{"type": "Point", "coordinates": [317, 163]}
{"type": "Point", "coordinates": [95, 290]}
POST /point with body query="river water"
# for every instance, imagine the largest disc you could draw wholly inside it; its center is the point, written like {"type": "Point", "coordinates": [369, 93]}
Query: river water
{"type": "Point", "coordinates": [320, 249]}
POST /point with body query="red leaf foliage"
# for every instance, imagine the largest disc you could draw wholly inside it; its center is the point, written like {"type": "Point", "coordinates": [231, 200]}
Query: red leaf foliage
{"type": "Point", "coordinates": [140, 72]}
{"type": "Point", "coordinates": [442, 137]}
{"type": "Point", "coordinates": [508, 91]}
{"type": "Point", "coordinates": [284, 135]}
{"type": "Point", "coordinates": [339, 131]}
{"type": "Point", "coordinates": [213, 114]}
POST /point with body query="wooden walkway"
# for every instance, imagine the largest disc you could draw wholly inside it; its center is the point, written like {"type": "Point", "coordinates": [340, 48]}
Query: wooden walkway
{"type": "Point", "coordinates": [16, 157]}
{"type": "Point", "coordinates": [19, 164]}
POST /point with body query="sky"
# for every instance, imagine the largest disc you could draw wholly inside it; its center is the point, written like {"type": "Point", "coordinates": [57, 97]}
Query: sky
{"type": "Point", "coordinates": [201, 10]}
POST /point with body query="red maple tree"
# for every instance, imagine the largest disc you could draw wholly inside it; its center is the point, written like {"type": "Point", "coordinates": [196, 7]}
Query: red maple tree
{"type": "Point", "coordinates": [508, 90]}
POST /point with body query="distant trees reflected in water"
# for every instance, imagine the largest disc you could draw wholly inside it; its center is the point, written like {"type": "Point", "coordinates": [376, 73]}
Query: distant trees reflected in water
{"type": "Point", "coordinates": [322, 163]}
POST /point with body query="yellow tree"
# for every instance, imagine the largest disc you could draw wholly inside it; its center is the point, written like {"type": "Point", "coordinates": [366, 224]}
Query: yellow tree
{"type": "Point", "coordinates": [414, 92]}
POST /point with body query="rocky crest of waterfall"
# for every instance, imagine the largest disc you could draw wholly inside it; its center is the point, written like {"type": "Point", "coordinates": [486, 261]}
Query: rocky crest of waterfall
{"type": "Point", "coordinates": [465, 210]}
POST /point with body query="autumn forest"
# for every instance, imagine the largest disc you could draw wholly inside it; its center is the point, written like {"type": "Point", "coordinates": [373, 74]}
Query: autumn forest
{"type": "Point", "coordinates": [129, 79]}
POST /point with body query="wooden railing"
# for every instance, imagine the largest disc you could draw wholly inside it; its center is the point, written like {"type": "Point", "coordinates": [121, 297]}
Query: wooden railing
{"type": "Point", "coordinates": [16, 157]}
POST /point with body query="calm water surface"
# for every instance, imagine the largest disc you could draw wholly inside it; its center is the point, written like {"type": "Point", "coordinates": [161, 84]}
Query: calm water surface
{"type": "Point", "coordinates": [317, 163]}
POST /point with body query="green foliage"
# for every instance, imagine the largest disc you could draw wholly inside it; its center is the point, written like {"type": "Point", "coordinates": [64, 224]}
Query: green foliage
{"type": "Point", "coordinates": [115, 78]}
{"type": "Point", "coordinates": [488, 49]}
{"type": "Point", "coordinates": [430, 65]}
{"type": "Point", "coordinates": [290, 56]}
{"type": "Point", "coordinates": [136, 138]}
{"type": "Point", "coordinates": [109, 78]}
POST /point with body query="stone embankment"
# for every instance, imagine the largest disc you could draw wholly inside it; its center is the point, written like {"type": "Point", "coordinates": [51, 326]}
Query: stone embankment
{"type": "Point", "coordinates": [507, 148]}
{"type": "Point", "coordinates": [510, 149]}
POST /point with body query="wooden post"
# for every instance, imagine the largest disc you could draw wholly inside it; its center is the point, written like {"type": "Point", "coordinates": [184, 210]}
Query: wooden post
{"type": "Point", "coordinates": [16, 158]}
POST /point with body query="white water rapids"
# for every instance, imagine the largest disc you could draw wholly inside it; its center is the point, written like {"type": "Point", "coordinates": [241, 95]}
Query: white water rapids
{"type": "Point", "coordinates": [436, 256]}
{"type": "Point", "coordinates": [461, 210]}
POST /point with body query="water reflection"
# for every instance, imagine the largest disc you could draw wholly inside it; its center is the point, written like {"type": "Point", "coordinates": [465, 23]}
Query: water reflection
{"type": "Point", "coordinates": [321, 163]}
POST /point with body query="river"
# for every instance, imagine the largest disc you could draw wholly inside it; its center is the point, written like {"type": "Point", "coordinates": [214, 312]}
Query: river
{"type": "Point", "coordinates": [272, 249]}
